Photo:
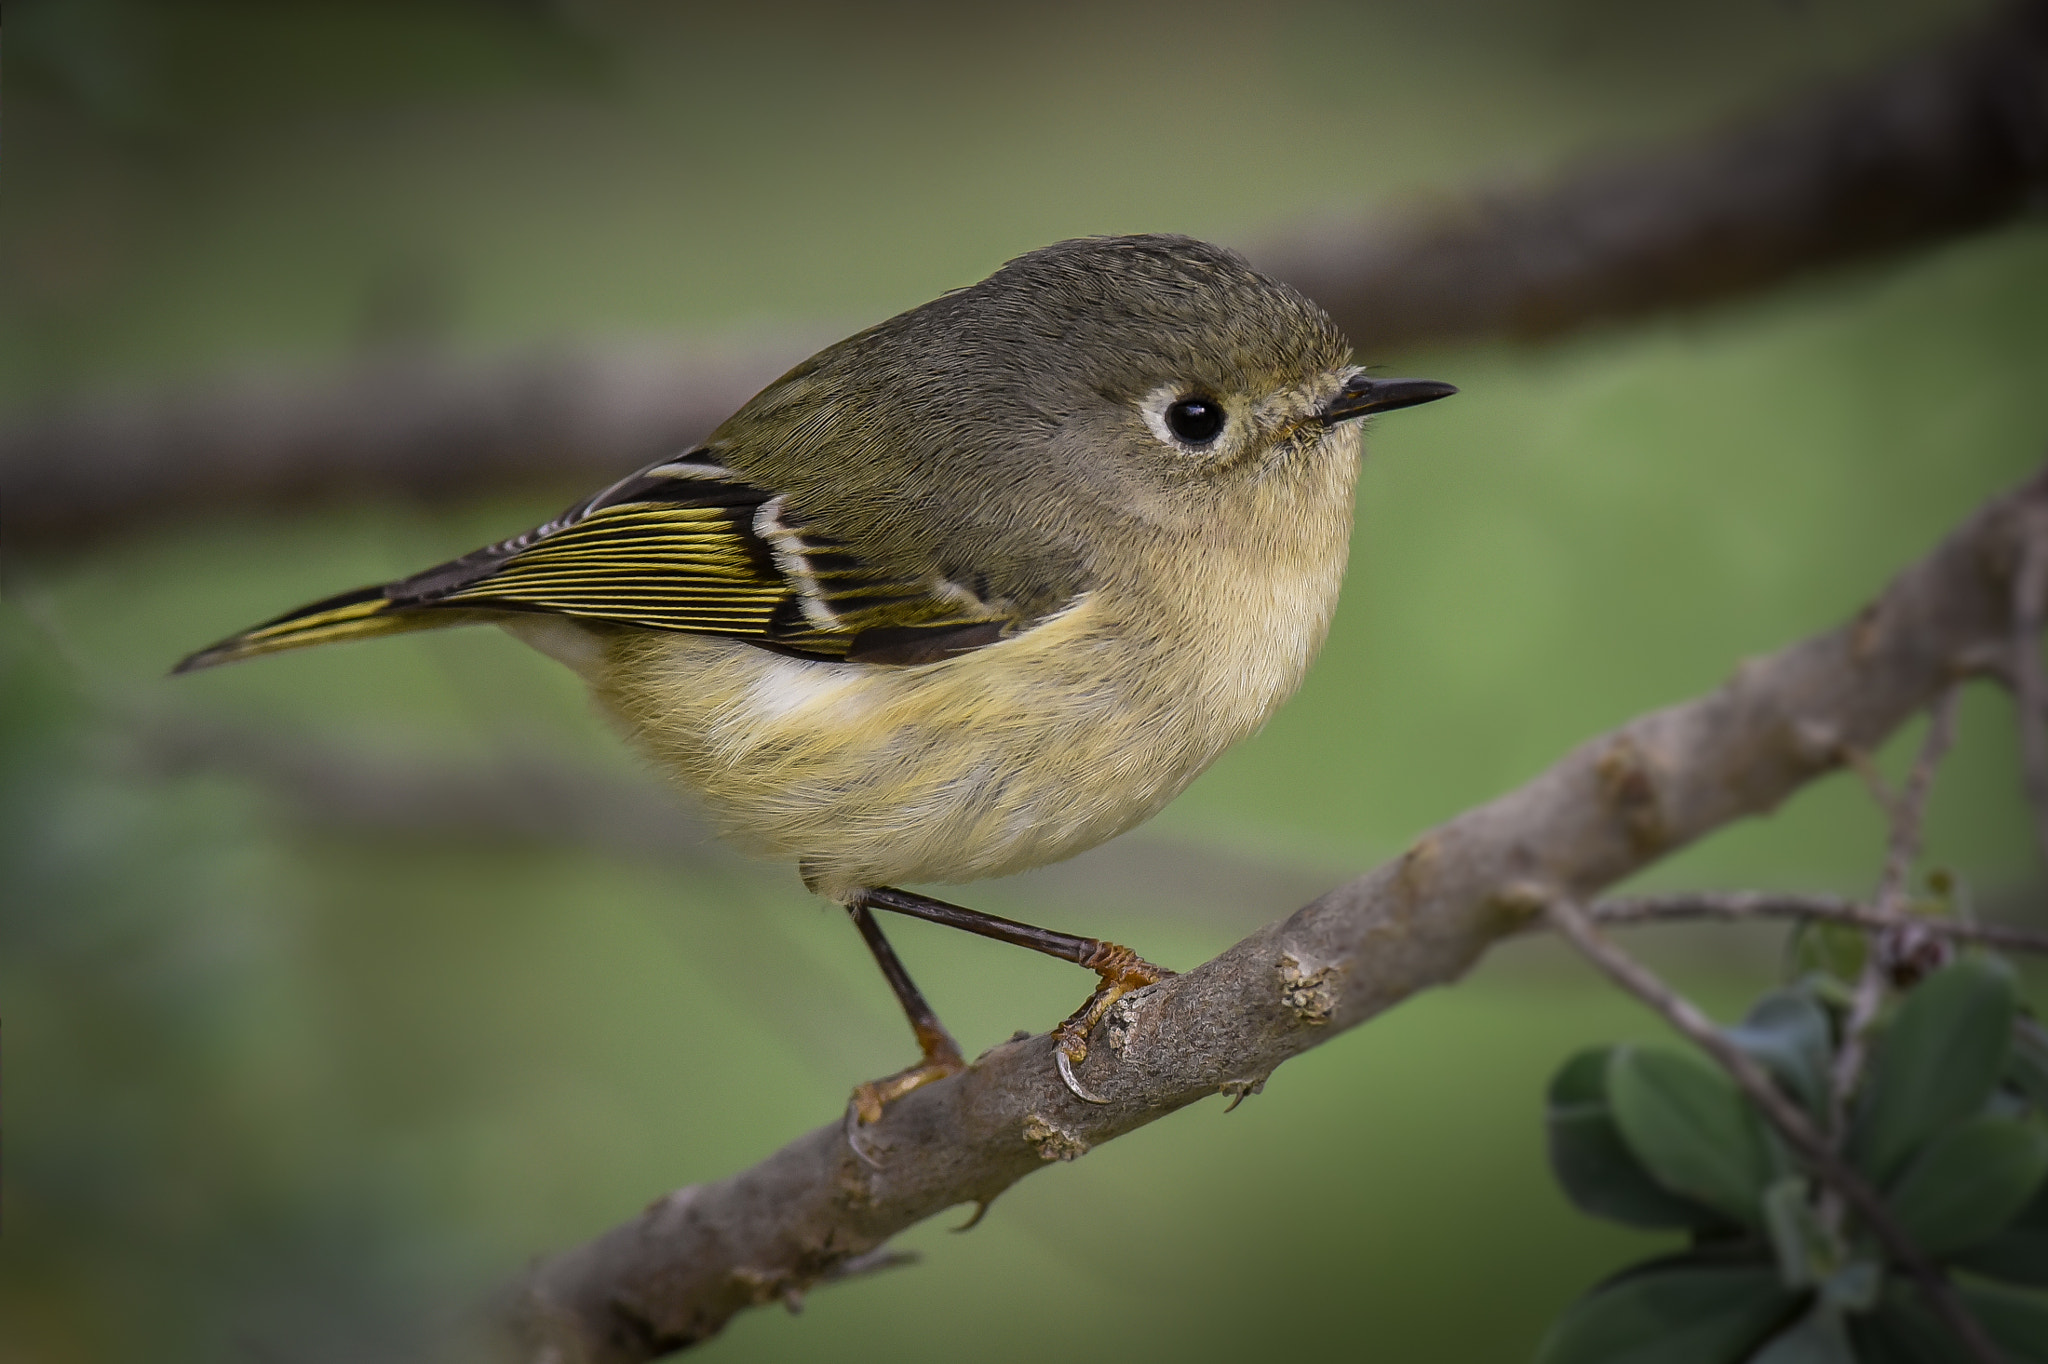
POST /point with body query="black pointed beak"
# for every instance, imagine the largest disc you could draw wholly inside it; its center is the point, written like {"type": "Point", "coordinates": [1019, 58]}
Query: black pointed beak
{"type": "Point", "coordinates": [1364, 394]}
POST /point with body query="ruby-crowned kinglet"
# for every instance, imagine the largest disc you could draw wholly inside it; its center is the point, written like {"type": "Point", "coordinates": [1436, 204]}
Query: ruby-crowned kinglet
{"type": "Point", "coordinates": [971, 591]}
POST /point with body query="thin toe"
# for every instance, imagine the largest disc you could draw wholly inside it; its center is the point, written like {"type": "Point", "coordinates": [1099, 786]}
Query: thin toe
{"type": "Point", "coordinates": [1059, 1054]}
{"type": "Point", "coordinates": [852, 1128]}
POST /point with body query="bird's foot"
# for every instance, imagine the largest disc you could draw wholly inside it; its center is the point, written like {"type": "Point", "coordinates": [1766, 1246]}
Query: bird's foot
{"type": "Point", "coordinates": [1122, 971]}
{"type": "Point", "coordinates": [871, 1098]}
{"type": "Point", "coordinates": [941, 1058]}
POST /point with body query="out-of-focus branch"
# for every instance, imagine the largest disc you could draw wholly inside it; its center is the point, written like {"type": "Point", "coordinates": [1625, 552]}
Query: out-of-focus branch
{"type": "Point", "coordinates": [411, 425]}
{"type": "Point", "coordinates": [1745, 905]}
{"type": "Point", "coordinates": [2030, 688]}
{"type": "Point", "coordinates": [523, 797]}
{"type": "Point", "coordinates": [1947, 142]}
{"type": "Point", "coordinates": [676, 1273]}
{"type": "Point", "coordinates": [538, 798]}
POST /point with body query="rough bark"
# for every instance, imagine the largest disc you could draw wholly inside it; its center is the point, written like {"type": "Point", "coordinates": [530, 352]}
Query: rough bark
{"type": "Point", "coordinates": [675, 1274]}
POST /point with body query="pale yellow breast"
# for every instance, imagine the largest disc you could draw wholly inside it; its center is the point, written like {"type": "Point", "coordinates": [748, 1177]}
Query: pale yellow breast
{"type": "Point", "coordinates": [1021, 753]}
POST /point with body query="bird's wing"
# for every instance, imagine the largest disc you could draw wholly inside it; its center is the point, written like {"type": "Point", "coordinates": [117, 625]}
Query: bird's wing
{"type": "Point", "coordinates": [685, 545]}
{"type": "Point", "coordinates": [690, 545]}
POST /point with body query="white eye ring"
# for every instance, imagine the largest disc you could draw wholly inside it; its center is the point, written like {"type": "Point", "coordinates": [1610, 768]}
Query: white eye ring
{"type": "Point", "coordinates": [1158, 411]}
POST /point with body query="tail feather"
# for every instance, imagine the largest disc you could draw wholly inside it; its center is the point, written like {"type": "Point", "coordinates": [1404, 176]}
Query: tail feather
{"type": "Point", "coordinates": [361, 614]}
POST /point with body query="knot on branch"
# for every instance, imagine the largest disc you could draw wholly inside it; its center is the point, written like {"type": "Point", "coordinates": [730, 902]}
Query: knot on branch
{"type": "Point", "coordinates": [1052, 1141]}
{"type": "Point", "coordinates": [1305, 989]}
{"type": "Point", "coordinates": [1122, 1020]}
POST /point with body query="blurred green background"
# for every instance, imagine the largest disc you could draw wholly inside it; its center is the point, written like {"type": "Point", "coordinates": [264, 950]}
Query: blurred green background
{"type": "Point", "coordinates": [283, 1089]}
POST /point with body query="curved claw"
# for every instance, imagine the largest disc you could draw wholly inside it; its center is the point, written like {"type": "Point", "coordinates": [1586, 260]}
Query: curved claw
{"type": "Point", "coordinates": [852, 1127]}
{"type": "Point", "coordinates": [1240, 1090]}
{"type": "Point", "coordinates": [1067, 1074]}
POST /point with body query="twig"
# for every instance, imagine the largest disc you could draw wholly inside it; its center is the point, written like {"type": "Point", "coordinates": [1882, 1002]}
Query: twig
{"type": "Point", "coordinates": [2030, 689]}
{"type": "Point", "coordinates": [1624, 911]}
{"type": "Point", "coordinates": [1874, 781]}
{"type": "Point", "coordinates": [1792, 1124]}
{"type": "Point", "coordinates": [1909, 814]}
{"type": "Point", "coordinates": [1902, 847]}
{"type": "Point", "coordinates": [677, 1273]}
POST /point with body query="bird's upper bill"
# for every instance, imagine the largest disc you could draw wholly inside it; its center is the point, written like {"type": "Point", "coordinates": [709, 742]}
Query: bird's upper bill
{"type": "Point", "coordinates": [1362, 395]}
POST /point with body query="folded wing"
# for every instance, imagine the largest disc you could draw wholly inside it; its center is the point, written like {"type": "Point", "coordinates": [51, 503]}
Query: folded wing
{"type": "Point", "coordinates": [685, 545]}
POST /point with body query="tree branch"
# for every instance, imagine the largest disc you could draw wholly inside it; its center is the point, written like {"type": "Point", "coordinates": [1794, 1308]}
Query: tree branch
{"type": "Point", "coordinates": [675, 1274]}
{"type": "Point", "coordinates": [1946, 142]}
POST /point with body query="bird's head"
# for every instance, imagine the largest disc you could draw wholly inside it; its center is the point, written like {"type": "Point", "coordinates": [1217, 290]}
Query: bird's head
{"type": "Point", "coordinates": [1166, 356]}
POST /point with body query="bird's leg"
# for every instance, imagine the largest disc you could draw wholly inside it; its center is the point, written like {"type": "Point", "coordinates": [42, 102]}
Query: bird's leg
{"type": "Point", "coordinates": [941, 1053]}
{"type": "Point", "coordinates": [1121, 969]}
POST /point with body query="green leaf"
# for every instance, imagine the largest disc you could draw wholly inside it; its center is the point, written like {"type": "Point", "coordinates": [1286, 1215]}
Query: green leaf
{"type": "Point", "coordinates": [1691, 1129]}
{"type": "Point", "coordinates": [1787, 1033]}
{"type": "Point", "coordinates": [1594, 1164]}
{"type": "Point", "coordinates": [1833, 952]}
{"type": "Point", "coordinates": [1903, 1331]}
{"type": "Point", "coordinates": [2016, 1319]}
{"type": "Point", "coordinates": [1820, 1337]}
{"type": "Point", "coordinates": [1805, 1250]}
{"type": "Point", "coordinates": [1969, 1182]}
{"type": "Point", "coordinates": [2026, 1067]}
{"type": "Point", "coordinates": [1854, 1287]}
{"type": "Point", "coordinates": [2020, 1252]}
{"type": "Point", "coordinates": [1935, 1064]}
{"type": "Point", "coordinates": [1684, 1314]}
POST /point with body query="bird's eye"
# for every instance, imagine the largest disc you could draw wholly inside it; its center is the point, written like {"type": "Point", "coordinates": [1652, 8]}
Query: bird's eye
{"type": "Point", "coordinates": [1195, 420]}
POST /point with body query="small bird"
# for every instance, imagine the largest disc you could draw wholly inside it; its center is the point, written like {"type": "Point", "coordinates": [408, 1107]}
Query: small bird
{"type": "Point", "coordinates": [971, 591]}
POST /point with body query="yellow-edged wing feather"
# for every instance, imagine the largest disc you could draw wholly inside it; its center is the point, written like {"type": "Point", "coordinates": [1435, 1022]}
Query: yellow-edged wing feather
{"type": "Point", "coordinates": [664, 566]}
{"type": "Point", "coordinates": [683, 545]}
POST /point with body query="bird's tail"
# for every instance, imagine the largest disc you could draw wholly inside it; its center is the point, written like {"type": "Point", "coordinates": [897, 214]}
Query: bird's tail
{"type": "Point", "coordinates": [352, 615]}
